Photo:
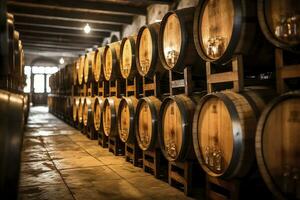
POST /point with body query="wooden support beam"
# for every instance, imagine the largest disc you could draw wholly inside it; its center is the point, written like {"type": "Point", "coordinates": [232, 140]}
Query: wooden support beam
{"type": "Point", "coordinates": [56, 39]}
{"type": "Point", "coordinates": [28, 32]}
{"type": "Point", "coordinates": [96, 41]}
{"type": "Point", "coordinates": [56, 13]}
{"type": "Point", "coordinates": [72, 44]}
{"type": "Point", "coordinates": [62, 31]}
{"type": "Point", "coordinates": [51, 46]}
{"type": "Point", "coordinates": [57, 23]}
{"type": "Point", "coordinates": [83, 6]}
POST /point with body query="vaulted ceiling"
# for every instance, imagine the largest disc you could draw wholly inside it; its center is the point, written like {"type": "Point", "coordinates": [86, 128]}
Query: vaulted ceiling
{"type": "Point", "coordinates": [56, 26]}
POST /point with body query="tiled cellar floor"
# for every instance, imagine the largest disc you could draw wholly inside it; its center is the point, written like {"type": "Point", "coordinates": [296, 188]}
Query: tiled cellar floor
{"type": "Point", "coordinates": [58, 162]}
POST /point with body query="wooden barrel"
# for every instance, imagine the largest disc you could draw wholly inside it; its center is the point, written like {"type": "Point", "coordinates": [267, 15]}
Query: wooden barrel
{"type": "Point", "coordinates": [127, 58]}
{"type": "Point", "coordinates": [11, 138]}
{"type": "Point", "coordinates": [75, 105]}
{"type": "Point", "coordinates": [69, 76]}
{"type": "Point", "coordinates": [80, 110]}
{"type": "Point", "coordinates": [147, 114]}
{"type": "Point", "coordinates": [97, 69]}
{"type": "Point", "coordinates": [75, 71]}
{"type": "Point", "coordinates": [17, 58]}
{"type": "Point", "coordinates": [176, 116]}
{"type": "Point", "coordinates": [224, 28]}
{"type": "Point", "coordinates": [126, 119]}
{"type": "Point", "coordinates": [147, 60]}
{"type": "Point", "coordinates": [110, 116]}
{"type": "Point", "coordinates": [20, 66]}
{"type": "Point", "coordinates": [89, 62]}
{"type": "Point", "coordinates": [87, 119]}
{"type": "Point", "coordinates": [111, 61]}
{"type": "Point", "coordinates": [11, 55]}
{"type": "Point", "coordinates": [98, 106]}
{"type": "Point", "coordinates": [277, 145]}
{"type": "Point", "coordinates": [176, 46]}
{"type": "Point", "coordinates": [26, 106]}
{"type": "Point", "coordinates": [69, 108]}
{"type": "Point", "coordinates": [223, 131]}
{"type": "Point", "coordinates": [279, 21]}
{"type": "Point", "coordinates": [80, 70]}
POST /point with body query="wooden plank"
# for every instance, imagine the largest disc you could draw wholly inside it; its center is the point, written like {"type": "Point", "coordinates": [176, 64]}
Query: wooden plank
{"type": "Point", "coordinates": [63, 31]}
{"type": "Point", "coordinates": [60, 38]}
{"type": "Point", "coordinates": [289, 71]}
{"type": "Point", "coordinates": [222, 77]}
{"type": "Point", "coordinates": [59, 33]}
{"type": "Point", "coordinates": [65, 43]}
{"type": "Point", "coordinates": [55, 23]}
{"type": "Point", "coordinates": [83, 6]}
{"type": "Point", "coordinates": [56, 13]}
{"type": "Point", "coordinates": [53, 46]}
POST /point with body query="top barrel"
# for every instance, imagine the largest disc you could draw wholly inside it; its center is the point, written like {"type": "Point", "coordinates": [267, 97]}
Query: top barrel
{"type": "Point", "coordinates": [147, 61]}
{"type": "Point", "coordinates": [280, 23]}
{"type": "Point", "coordinates": [225, 28]}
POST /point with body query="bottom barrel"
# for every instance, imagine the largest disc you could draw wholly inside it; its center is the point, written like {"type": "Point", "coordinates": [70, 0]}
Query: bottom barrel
{"type": "Point", "coordinates": [277, 146]}
{"type": "Point", "coordinates": [11, 138]}
{"type": "Point", "coordinates": [75, 108]}
{"type": "Point", "coordinates": [97, 112]}
{"type": "Point", "coordinates": [110, 116]}
{"type": "Point", "coordinates": [147, 114]}
{"type": "Point", "coordinates": [126, 118]}
{"type": "Point", "coordinates": [176, 116]}
{"type": "Point", "coordinates": [88, 104]}
{"type": "Point", "coordinates": [224, 130]}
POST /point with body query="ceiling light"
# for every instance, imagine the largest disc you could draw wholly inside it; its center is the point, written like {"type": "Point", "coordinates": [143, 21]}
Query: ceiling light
{"type": "Point", "coordinates": [87, 29]}
{"type": "Point", "coordinates": [61, 61]}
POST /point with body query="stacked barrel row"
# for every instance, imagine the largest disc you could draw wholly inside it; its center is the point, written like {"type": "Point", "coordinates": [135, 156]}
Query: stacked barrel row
{"type": "Point", "coordinates": [14, 104]}
{"type": "Point", "coordinates": [227, 131]}
{"type": "Point", "coordinates": [59, 101]}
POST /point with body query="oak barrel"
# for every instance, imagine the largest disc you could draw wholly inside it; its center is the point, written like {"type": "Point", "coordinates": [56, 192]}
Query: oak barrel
{"type": "Point", "coordinates": [147, 114]}
{"type": "Point", "coordinates": [11, 39]}
{"type": "Point", "coordinates": [87, 119]}
{"type": "Point", "coordinates": [176, 45]}
{"type": "Point", "coordinates": [110, 116]}
{"type": "Point", "coordinates": [80, 70]}
{"type": "Point", "coordinates": [98, 106]}
{"type": "Point", "coordinates": [224, 28]}
{"type": "Point", "coordinates": [127, 57]}
{"type": "Point", "coordinates": [11, 139]}
{"type": "Point", "coordinates": [97, 67]}
{"type": "Point", "coordinates": [111, 61]}
{"type": "Point", "coordinates": [280, 23]}
{"type": "Point", "coordinates": [75, 71]}
{"type": "Point", "coordinates": [176, 116]}
{"type": "Point", "coordinates": [147, 60]}
{"type": "Point", "coordinates": [126, 119]}
{"type": "Point", "coordinates": [277, 145]}
{"type": "Point", "coordinates": [89, 62]}
{"type": "Point", "coordinates": [224, 130]}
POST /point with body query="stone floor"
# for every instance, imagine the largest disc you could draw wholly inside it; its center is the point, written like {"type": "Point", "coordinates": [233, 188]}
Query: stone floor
{"type": "Point", "coordinates": [58, 162]}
